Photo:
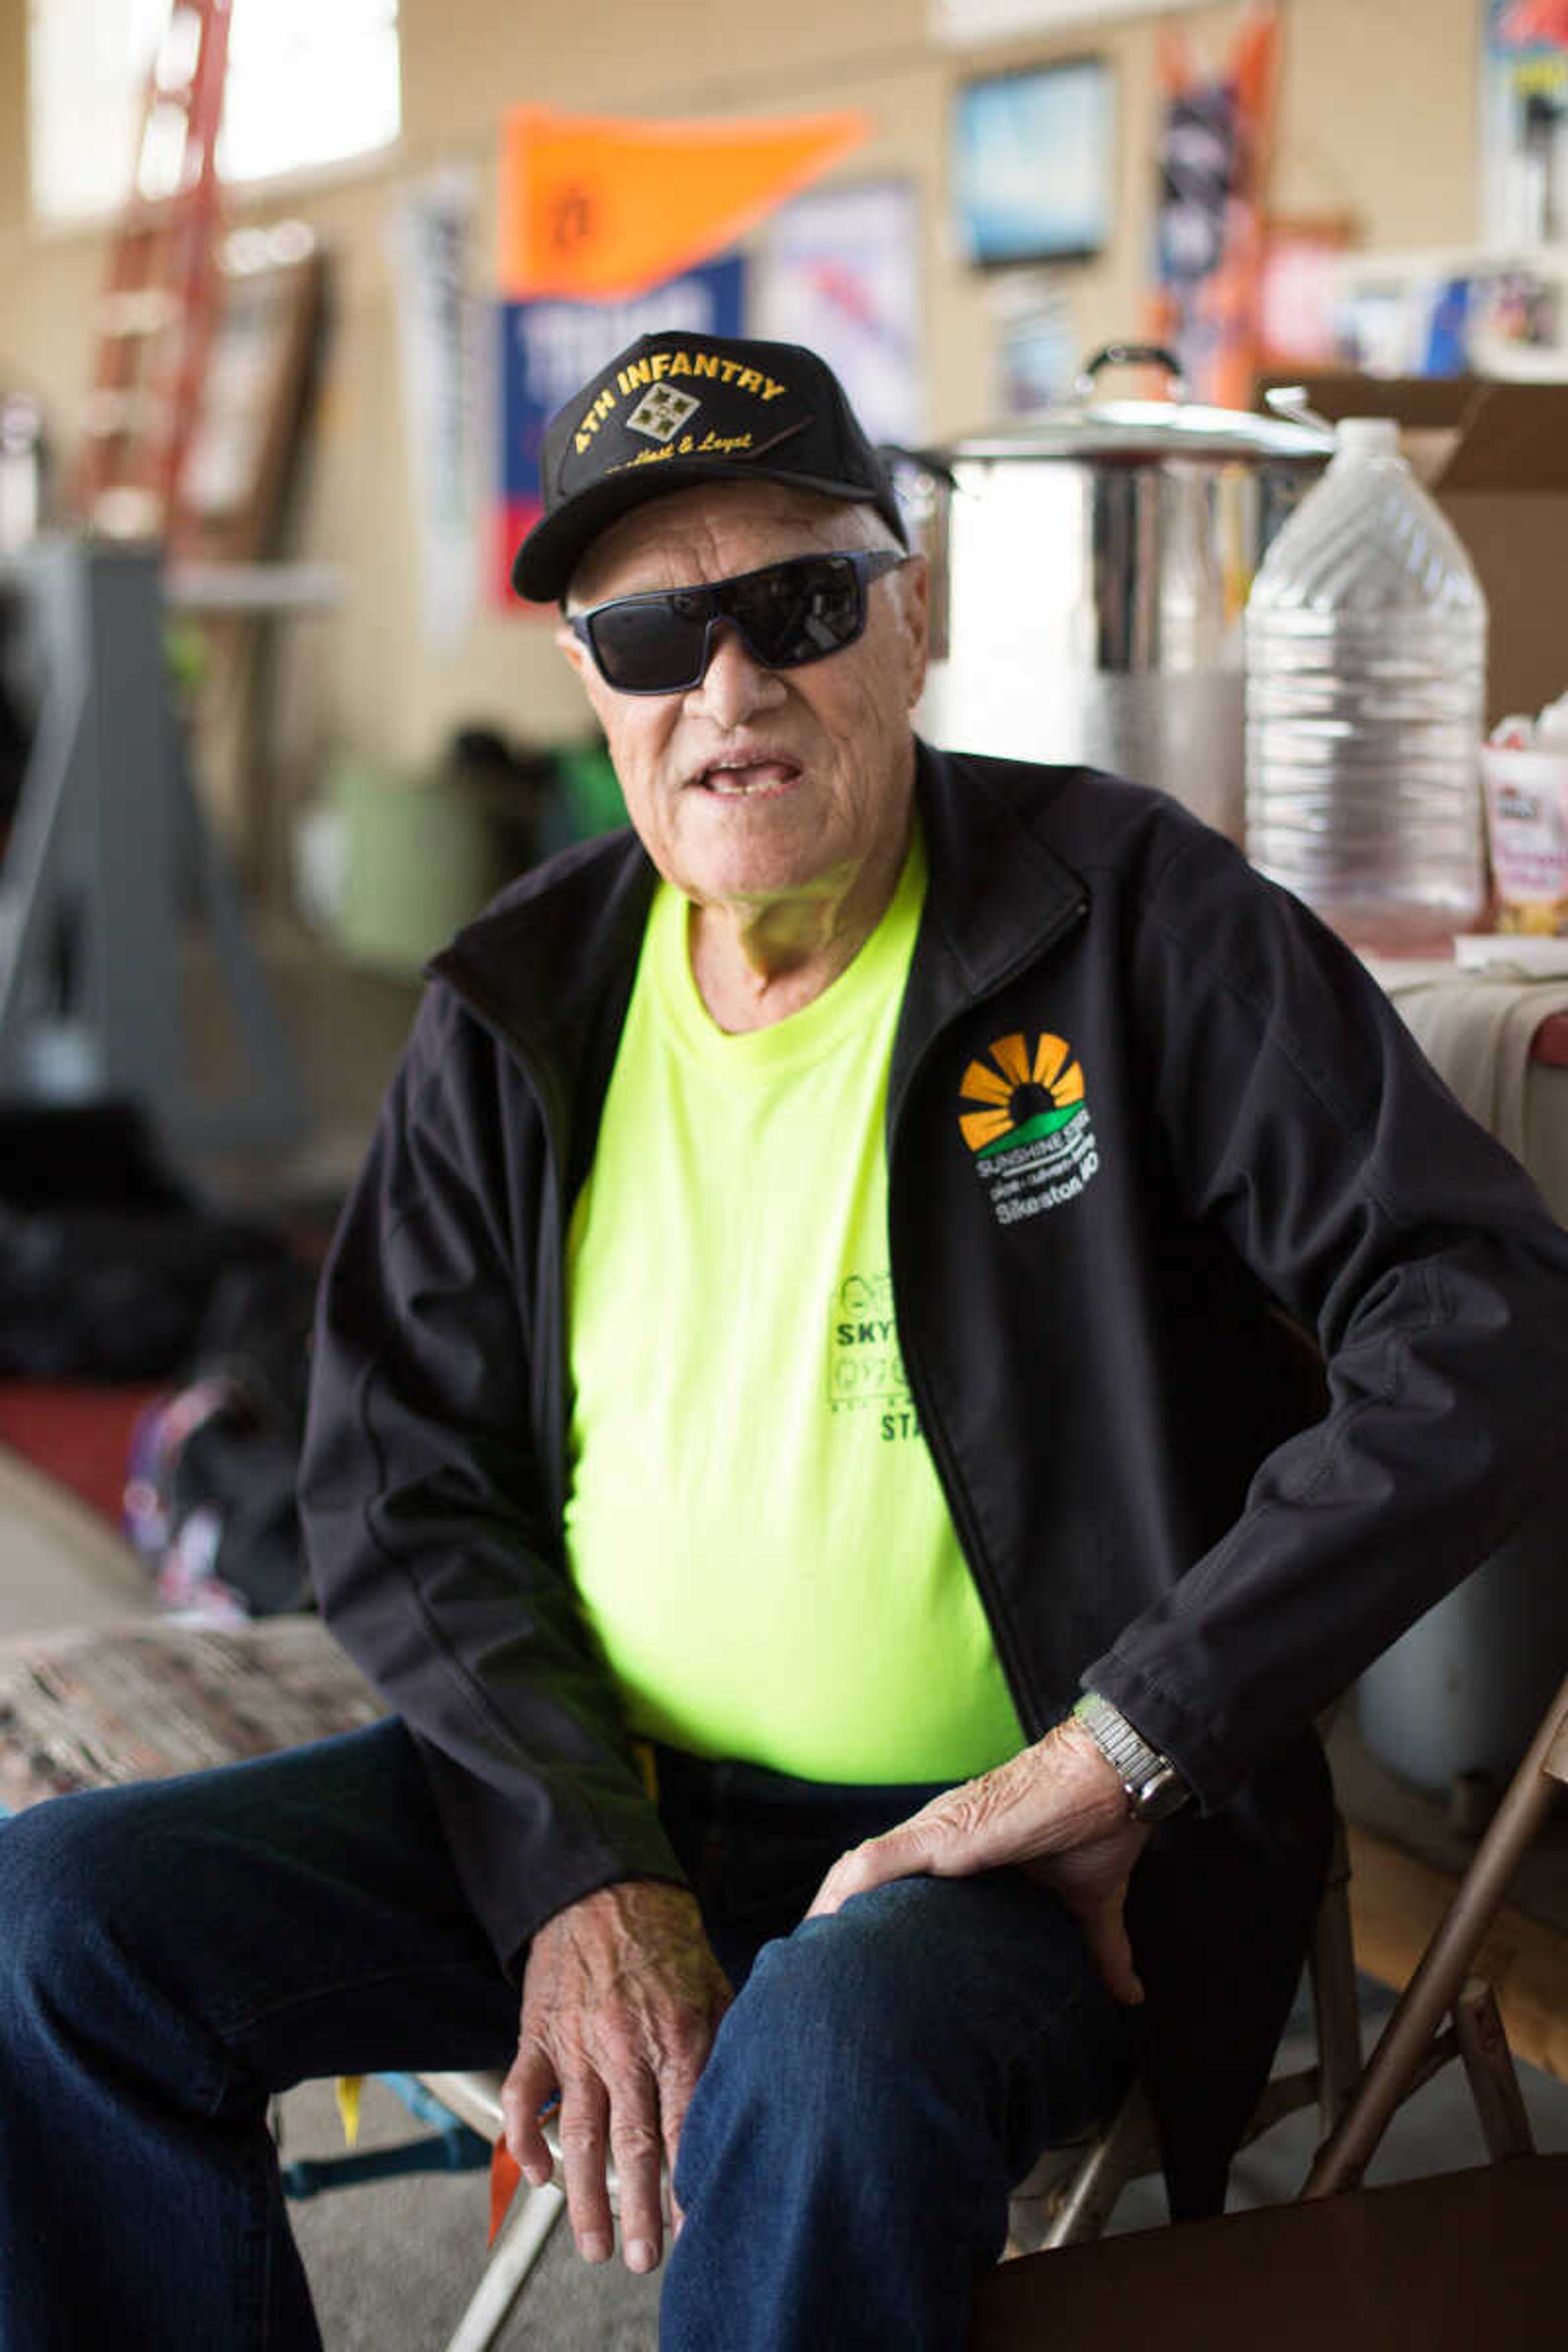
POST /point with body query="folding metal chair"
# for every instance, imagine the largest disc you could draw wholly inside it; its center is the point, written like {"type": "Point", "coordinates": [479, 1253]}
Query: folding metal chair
{"type": "Point", "coordinates": [522, 2236]}
{"type": "Point", "coordinates": [1447, 2262]}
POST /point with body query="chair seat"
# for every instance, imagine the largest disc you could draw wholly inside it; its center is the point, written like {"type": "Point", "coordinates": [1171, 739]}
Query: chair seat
{"type": "Point", "coordinates": [1448, 2264]}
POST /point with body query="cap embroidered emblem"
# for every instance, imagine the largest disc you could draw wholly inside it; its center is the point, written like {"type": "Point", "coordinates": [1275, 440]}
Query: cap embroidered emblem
{"type": "Point", "coordinates": [661, 412]}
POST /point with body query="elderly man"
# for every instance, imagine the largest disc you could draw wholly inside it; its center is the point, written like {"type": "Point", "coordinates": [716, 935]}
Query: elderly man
{"type": "Point", "coordinates": [808, 1435]}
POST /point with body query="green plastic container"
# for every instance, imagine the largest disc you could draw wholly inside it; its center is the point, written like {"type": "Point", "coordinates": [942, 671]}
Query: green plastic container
{"type": "Point", "coordinates": [420, 858]}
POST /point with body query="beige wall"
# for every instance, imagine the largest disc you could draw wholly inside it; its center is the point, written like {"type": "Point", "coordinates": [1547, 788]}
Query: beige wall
{"type": "Point", "coordinates": [1377, 118]}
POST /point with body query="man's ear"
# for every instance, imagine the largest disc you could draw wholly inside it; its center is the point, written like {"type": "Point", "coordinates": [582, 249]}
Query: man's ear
{"type": "Point", "coordinates": [575, 651]}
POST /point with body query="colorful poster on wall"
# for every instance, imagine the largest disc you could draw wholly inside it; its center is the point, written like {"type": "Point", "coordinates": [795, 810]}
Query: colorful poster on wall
{"type": "Point", "coordinates": [1038, 348]}
{"type": "Point", "coordinates": [601, 207]}
{"type": "Point", "coordinates": [1209, 240]}
{"type": "Point", "coordinates": [548, 348]}
{"type": "Point", "coordinates": [430, 236]}
{"type": "Point", "coordinates": [1298, 294]}
{"type": "Point", "coordinates": [839, 271]}
{"type": "Point", "coordinates": [1525, 116]}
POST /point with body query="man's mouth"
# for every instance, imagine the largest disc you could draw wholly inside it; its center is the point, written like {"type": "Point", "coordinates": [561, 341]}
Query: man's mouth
{"type": "Point", "coordinates": [748, 779]}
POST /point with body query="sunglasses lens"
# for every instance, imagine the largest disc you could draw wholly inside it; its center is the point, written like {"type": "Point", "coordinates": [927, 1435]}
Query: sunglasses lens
{"type": "Point", "coordinates": [650, 644]}
{"type": "Point", "coordinates": [799, 612]}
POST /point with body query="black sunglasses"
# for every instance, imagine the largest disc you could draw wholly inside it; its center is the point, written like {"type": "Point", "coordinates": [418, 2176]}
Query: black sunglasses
{"type": "Point", "coordinates": [786, 615]}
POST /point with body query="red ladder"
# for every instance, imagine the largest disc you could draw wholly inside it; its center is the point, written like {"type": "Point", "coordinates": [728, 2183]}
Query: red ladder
{"type": "Point", "coordinates": [156, 316]}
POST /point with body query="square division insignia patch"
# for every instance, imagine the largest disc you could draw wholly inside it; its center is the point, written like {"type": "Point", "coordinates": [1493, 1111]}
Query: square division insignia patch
{"type": "Point", "coordinates": [661, 412]}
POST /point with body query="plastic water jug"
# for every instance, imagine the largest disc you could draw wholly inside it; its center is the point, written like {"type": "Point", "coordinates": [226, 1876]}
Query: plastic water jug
{"type": "Point", "coordinates": [1366, 661]}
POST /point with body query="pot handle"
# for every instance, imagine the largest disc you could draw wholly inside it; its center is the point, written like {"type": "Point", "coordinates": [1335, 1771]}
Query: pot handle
{"type": "Point", "coordinates": [1294, 402]}
{"type": "Point", "coordinates": [1132, 355]}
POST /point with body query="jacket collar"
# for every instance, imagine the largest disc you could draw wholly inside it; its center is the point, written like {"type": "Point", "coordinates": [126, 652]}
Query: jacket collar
{"type": "Point", "coordinates": [537, 963]}
{"type": "Point", "coordinates": [998, 891]}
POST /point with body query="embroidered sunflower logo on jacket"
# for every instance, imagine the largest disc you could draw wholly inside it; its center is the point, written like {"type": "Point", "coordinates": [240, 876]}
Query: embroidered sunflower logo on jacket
{"type": "Point", "coordinates": [1029, 1093]}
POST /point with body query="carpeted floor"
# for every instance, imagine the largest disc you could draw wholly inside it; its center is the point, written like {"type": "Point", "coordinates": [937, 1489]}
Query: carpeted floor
{"type": "Point", "coordinates": [61, 1562]}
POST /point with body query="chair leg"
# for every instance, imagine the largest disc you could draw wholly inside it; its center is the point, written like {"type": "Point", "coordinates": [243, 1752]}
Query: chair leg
{"type": "Point", "coordinates": [1336, 2010]}
{"type": "Point", "coordinates": [522, 2241]}
{"type": "Point", "coordinates": [1488, 2063]}
{"type": "Point", "coordinates": [1032, 2203]}
{"type": "Point", "coordinates": [1446, 1964]}
{"type": "Point", "coordinates": [1128, 2147]}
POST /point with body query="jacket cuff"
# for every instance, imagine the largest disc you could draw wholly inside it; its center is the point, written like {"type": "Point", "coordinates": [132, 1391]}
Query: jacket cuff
{"type": "Point", "coordinates": [1209, 1774]}
{"type": "Point", "coordinates": [514, 1878]}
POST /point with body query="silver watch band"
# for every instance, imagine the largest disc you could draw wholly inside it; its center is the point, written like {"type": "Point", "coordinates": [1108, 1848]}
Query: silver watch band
{"type": "Point", "coordinates": [1153, 1786]}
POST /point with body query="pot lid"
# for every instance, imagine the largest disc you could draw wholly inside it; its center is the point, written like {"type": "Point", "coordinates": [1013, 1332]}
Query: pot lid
{"type": "Point", "coordinates": [1127, 430]}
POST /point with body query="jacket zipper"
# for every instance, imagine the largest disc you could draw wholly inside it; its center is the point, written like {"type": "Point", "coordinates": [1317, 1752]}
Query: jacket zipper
{"type": "Point", "coordinates": [1025, 1699]}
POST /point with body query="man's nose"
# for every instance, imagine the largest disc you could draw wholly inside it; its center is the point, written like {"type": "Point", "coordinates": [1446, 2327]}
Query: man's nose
{"type": "Point", "coordinates": [735, 684]}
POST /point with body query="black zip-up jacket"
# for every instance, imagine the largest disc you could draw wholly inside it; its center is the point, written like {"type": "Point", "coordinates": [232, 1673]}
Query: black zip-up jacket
{"type": "Point", "coordinates": [1091, 1301]}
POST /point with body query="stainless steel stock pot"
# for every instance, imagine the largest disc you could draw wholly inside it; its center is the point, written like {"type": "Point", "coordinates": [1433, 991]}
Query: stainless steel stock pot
{"type": "Point", "coordinates": [1088, 571]}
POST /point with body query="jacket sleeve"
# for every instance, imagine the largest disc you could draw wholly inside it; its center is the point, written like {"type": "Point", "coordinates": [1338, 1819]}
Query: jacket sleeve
{"type": "Point", "coordinates": [432, 1528]}
{"type": "Point", "coordinates": [1300, 1117]}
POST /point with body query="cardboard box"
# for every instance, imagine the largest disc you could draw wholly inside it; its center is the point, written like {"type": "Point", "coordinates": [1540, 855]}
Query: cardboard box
{"type": "Point", "coordinates": [1495, 456]}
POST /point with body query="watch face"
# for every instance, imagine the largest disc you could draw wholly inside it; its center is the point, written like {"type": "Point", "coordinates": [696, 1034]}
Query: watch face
{"type": "Point", "coordinates": [1158, 1797]}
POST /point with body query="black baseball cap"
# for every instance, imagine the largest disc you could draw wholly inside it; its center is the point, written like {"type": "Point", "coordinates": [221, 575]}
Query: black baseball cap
{"type": "Point", "coordinates": [674, 409]}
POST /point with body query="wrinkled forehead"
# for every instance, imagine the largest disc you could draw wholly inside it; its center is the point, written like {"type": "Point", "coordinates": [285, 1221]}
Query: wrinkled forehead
{"type": "Point", "coordinates": [714, 531]}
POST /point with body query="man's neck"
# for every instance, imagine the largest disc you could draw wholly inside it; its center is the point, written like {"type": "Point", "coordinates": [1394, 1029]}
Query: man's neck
{"type": "Point", "coordinates": [757, 963]}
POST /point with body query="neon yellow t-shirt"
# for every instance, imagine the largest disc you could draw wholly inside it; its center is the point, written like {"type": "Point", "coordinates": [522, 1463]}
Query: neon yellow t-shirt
{"type": "Point", "coordinates": [754, 1523]}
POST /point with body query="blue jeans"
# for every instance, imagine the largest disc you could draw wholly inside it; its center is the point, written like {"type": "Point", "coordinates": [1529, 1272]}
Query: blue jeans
{"type": "Point", "coordinates": [172, 1954]}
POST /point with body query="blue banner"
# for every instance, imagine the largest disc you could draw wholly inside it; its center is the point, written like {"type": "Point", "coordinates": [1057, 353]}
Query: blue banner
{"type": "Point", "coordinates": [547, 349]}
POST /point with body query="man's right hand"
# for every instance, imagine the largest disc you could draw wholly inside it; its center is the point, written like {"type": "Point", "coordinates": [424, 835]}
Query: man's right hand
{"type": "Point", "coordinates": [621, 1999]}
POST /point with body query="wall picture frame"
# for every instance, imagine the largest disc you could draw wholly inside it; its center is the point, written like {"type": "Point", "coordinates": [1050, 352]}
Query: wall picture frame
{"type": "Point", "coordinates": [1033, 164]}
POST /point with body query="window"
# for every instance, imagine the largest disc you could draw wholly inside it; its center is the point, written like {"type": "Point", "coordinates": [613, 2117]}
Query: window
{"type": "Point", "coordinates": [308, 82]}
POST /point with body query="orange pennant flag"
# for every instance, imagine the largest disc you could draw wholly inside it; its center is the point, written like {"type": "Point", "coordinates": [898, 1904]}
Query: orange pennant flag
{"type": "Point", "coordinates": [599, 207]}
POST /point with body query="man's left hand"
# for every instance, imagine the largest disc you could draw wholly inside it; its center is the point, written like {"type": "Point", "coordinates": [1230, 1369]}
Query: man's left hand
{"type": "Point", "coordinates": [621, 1999]}
{"type": "Point", "coordinates": [1056, 1809]}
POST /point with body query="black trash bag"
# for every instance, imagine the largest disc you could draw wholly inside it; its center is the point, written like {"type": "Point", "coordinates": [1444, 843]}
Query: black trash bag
{"type": "Point", "coordinates": [211, 1499]}
{"type": "Point", "coordinates": [88, 1155]}
{"type": "Point", "coordinates": [106, 1295]}
{"type": "Point", "coordinates": [109, 1264]}
{"type": "Point", "coordinates": [233, 1521]}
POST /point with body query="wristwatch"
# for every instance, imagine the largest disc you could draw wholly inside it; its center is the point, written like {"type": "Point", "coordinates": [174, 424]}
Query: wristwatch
{"type": "Point", "coordinates": [1155, 1787]}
